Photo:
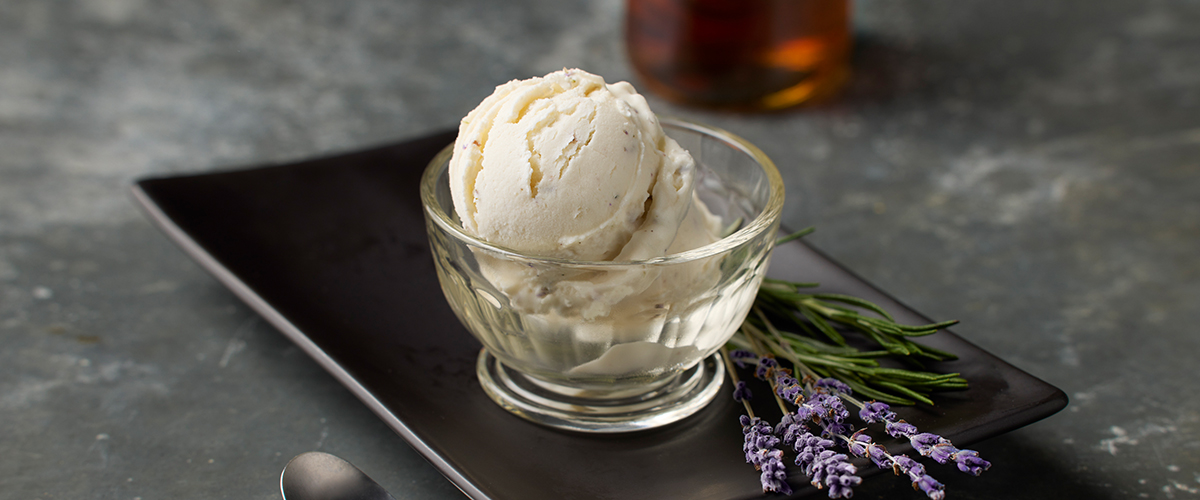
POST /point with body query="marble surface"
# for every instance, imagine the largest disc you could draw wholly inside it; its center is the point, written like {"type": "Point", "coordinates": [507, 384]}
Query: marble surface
{"type": "Point", "coordinates": [1030, 167]}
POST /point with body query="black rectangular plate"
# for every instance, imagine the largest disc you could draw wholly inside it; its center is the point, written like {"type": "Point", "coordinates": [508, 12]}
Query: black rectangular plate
{"type": "Point", "coordinates": [333, 253]}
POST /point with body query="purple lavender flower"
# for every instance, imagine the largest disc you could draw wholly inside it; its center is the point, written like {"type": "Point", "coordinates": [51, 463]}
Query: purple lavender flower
{"type": "Point", "coordinates": [750, 431]}
{"type": "Point", "coordinates": [741, 356]}
{"type": "Point", "coordinates": [741, 353]}
{"type": "Point", "coordinates": [824, 407]}
{"type": "Point", "coordinates": [835, 385]}
{"type": "Point", "coordinates": [829, 407]}
{"type": "Point", "coordinates": [939, 448]}
{"type": "Point", "coordinates": [875, 412]}
{"type": "Point", "coordinates": [968, 461]}
{"type": "Point", "coordinates": [789, 428]}
{"type": "Point", "coordinates": [804, 412]}
{"type": "Point", "coordinates": [931, 487]}
{"type": "Point", "coordinates": [861, 445]}
{"type": "Point", "coordinates": [921, 480]}
{"type": "Point", "coordinates": [787, 386]}
{"type": "Point", "coordinates": [841, 487]}
{"type": "Point", "coordinates": [808, 447]}
{"type": "Point", "coordinates": [741, 392]}
{"type": "Point", "coordinates": [880, 456]}
{"type": "Point", "coordinates": [760, 447]}
{"type": "Point", "coordinates": [766, 366]}
{"type": "Point", "coordinates": [838, 410]}
{"type": "Point", "coordinates": [942, 452]}
{"type": "Point", "coordinates": [908, 466]}
{"type": "Point", "coordinates": [925, 442]}
{"type": "Point", "coordinates": [900, 428]}
{"type": "Point", "coordinates": [774, 476]}
{"type": "Point", "coordinates": [835, 471]}
{"type": "Point", "coordinates": [859, 441]}
{"type": "Point", "coordinates": [824, 467]}
{"type": "Point", "coordinates": [831, 429]}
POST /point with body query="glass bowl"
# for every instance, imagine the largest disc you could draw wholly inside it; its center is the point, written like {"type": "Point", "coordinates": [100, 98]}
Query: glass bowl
{"type": "Point", "coordinates": [613, 346]}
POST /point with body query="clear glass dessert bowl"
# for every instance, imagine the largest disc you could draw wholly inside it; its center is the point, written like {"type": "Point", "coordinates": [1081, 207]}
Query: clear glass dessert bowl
{"type": "Point", "coordinates": [613, 346]}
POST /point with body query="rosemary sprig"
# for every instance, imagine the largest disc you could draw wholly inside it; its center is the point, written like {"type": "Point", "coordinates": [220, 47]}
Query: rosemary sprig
{"type": "Point", "coordinates": [813, 335]}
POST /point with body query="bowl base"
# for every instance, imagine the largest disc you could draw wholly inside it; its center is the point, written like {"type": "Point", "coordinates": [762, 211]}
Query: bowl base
{"type": "Point", "coordinates": [539, 401]}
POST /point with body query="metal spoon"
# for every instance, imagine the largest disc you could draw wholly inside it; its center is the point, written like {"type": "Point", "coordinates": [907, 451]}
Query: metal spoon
{"type": "Point", "coordinates": [320, 476]}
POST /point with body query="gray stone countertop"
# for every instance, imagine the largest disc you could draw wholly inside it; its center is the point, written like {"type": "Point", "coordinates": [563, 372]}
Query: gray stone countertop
{"type": "Point", "coordinates": [1029, 167]}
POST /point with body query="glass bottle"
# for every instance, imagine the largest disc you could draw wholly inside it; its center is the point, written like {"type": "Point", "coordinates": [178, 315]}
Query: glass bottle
{"type": "Point", "coordinates": [740, 54]}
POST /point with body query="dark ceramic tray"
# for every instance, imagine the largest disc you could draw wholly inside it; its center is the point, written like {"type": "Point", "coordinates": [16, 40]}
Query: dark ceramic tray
{"type": "Point", "coordinates": [333, 253]}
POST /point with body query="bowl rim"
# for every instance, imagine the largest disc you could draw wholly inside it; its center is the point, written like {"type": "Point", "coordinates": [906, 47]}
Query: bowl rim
{"type": "Point", "coordinates": [767, 220]}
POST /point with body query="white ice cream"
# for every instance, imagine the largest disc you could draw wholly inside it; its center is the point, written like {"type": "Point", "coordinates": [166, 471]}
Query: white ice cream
{"type": "Point", "coordinates": [567, 166]}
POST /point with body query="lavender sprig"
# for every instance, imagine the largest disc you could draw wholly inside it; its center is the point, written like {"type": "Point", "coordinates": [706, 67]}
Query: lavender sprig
{"type": "Point", "coordinates": [820, 402]}
{"type": "Point", "coordinates": [860, 445]}
{"type": "Point", "coordinates": [835, 471]}
{"type": "Point", "coordinates": [921, 481]}
{"type": "Point", "coordinates": [824, 467]}
{"type": "Point", "coordinates": [761, 451]}
{"type": "Point", "coordinates": [741, 393]}
{"type": "Point", "coordinates": [759, 441]}
{"type": "Point", "coordinates": [929, 445]}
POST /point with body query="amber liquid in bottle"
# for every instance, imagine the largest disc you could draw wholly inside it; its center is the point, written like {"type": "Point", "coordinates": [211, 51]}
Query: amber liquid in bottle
{"type": "Point", "coordinates": [741, 54]}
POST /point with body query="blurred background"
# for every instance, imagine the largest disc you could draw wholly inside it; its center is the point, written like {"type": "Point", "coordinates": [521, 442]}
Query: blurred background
{"type": "Point", "coordinates": [1029, 167]}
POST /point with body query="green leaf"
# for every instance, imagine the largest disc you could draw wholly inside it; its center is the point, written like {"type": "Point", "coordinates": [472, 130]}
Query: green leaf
{"type": "Point", "coordinates": [812, 331]}
{"type": "Point", "coordinates": [796, 235]}
{"type": "Point", "coordinates": [855, 301]}
{"type": "Point", "coordinates": [823, 326]}
{"type": "Point", "coordinates": [946, 356]}
{"type": "Point", "coordinates": [911, 375]}
{"type": "Point", "coordinates": [845, 351]}
{"type": "Point", "coordinates": [861, 389]}
{"type": "Point", "coordinates": [791, 286]}
{"type": "Point", "coordinates": [907, 392]}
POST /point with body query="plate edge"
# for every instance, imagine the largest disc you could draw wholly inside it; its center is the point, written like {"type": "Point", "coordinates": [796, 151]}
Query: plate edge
{"type": "Point", "coordinates": [159, 218]}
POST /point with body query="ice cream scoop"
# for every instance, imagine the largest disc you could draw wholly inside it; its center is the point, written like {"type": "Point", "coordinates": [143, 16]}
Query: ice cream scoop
{"type": "Point", "coordinates": [570, 167]}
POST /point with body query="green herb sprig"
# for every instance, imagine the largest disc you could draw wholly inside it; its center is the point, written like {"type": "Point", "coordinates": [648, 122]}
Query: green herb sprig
{"type": "Point", "coordinates": [812, 333]}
